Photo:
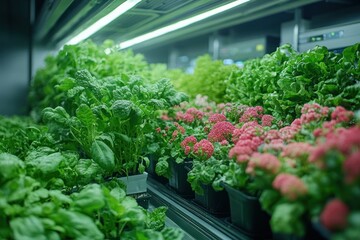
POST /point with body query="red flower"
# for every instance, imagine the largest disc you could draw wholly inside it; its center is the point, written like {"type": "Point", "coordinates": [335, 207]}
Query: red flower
{"type": "Point", "coordinates": [221, 131]}
{"type": "Point", "coordinates": [334, 215]}
{"type": "Point", "coordinates": [217, 117]}
{"type": "Point", "coordinates": [289, 186]}
{"type": "Point", "coordinates": [158, 129]}
{"type": "Point", "coordinates": [204, 148]}
{"type": "Point", "coordinates": [265, 161]}
{"type": "Point", "coordinates": [351, 167]}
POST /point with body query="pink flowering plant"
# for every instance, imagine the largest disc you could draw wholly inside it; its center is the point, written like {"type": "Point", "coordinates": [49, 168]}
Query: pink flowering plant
{"type": "Point", "coordinates": [210, 162]}
{"type": "Point", "coordinates": [313, 172]}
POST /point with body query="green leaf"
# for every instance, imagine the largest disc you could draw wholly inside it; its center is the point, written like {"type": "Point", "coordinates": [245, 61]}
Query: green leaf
{"type": "Point", "coordinates": [77, 225]}
{"type": "Point", "coordinates": [28, 228]}
{"type": "Point", "coordinates": [88, 170]}
{"type": "Point", "coordinates": [122, 109]}
{"type": "Point", "coordinates": [287, 218]}
{"type": "Point", "coordinates": [11, 166]}
{"type": "Point", "coordinates": [103, 155]}
{"type": "Point", "coordinates": [46, 165]}
{"type": "Point", "coordinates": [86, 116]}
{"type": "Point", "coordinates": [89, 200]}
{"type": "Point", "coordinates": [156, 218]}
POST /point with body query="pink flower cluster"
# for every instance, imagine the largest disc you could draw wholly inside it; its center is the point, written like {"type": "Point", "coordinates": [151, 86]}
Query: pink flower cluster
{"type": "Point", "coordinates": [247, 139]}
{"type": "Point", "coordinates": [313, 112]}
{"type": "Point", "coordinates": [188, 143]}
{"type": "Point", "coordinates": [264, 161]}
{"type": "Point", "coordinates": [340, 114]}
{"type": "Point", "coordinates": [288, 133]}
{"type": "Point", "coordinates": [221, 131]}
{"type": "Point", "coordinates": [185, 117]}
{"type": "Point", "coordinates": [247, 131]}
{"type": "Point", "coordinates": [243, 149]}
{"type": "Point", "coordinates": [334, 215]}
{"type": "Point", "coordinates": [204, 148]}
{"type": "Point", "coordinates": [347, 142]}
{"type": "Point", "coordinates": [267, 120]}
{"type": "Point", "coordinates": [289, 186]}
{"type": "Point", "coordinates": [217, 117]}
{"type": "Point", "coordinates": [297, 149]}
{"type": "Point", "coordinates": [251, 114]}
{"type": "Point", "coordinates": [197, 114]}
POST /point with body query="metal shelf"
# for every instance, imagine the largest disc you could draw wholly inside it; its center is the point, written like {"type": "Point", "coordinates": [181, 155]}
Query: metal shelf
{"type": "Point", "coordinates": [198, 223]}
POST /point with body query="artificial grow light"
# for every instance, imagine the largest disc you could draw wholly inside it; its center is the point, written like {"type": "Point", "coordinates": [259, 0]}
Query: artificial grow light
{"type": "Point", "coordinates": [102, 22]}
{"type": "Point", "coordinates": [180, 24]}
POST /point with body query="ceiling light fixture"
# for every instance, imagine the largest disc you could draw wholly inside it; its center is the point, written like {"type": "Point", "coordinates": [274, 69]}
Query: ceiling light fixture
{"type": "Point", "coordinates": [102, 22]}
{"type": "Point", "coordinates": [180, 24]}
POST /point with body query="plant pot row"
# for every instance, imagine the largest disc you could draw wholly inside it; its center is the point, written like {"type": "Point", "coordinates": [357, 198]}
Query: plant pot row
{"type": "Point", "coordinates": [244, 210]}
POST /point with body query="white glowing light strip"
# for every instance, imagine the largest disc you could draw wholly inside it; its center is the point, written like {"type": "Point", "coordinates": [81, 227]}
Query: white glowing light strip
{"type": "Point", "coordinates": [180, 24]}
{"type": "Point", "coordinates": [102, 22]}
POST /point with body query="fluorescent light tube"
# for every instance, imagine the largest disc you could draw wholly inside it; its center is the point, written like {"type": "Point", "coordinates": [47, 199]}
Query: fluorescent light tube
{"type": "Point", "coordinates": [102, 22]}
{"type": "Point", "coordinates": [180, 24]}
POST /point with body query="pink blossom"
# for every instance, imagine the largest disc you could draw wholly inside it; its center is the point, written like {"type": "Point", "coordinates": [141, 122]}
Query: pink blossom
{"type": "Point", "coordinates": [351, 167]}
{"type": "Point", "coordinates": [224, 142]}
{"type": "Point", "coordinates": [297, 149]}
{"type": "Point", "coordinates": [174, 134]}
{"type": "Point", "coordinates": [290, 186]}
{"type": "Point", "coordinates": [265, 161]}
{"type": "Point", "coordinates": [204, 148]}
{"type": "Point", "coordinates": [288, 133]}
{"type": "Point", "coordinates": [334, 215]}
{"type": "Point", "coordinates": [195, 113]}
{"type": "Point", "coordinates": [313, 112]}
{"type": "Point", "coordinates": [221, 131]}
{"type": "Point", "coordinates": [274, 145]}
{"type": "Point", "coordinates": [165, 117]}
{"type": "Point", "coordinates": [217, 117]}
{"type": "Point", "coordinates": [251, 114]}
{"type": "Point", "coordinates": [158, 129]}
{"type": "Point", "coordinates": [187, 150]}
{"type": "Point", "coordinates": [271, 135]}
{"type": "Point", "coordinates": [248, 130]}
{"type": "Point", "coordinates": [188, 141]}
{"type": "Point", "coordinates": [242, 153]}
{"type": "Point", "coordinates": [340, 114]}
{"type": "Point", "coordinates": [179, 127]}
{"type": "Point", "coordinates": [266, 120]}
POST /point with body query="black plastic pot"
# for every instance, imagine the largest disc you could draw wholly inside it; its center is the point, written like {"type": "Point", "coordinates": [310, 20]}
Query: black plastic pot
{"type": "Point", "coordinates": [178, 179]}
{"type": "Point", "coordinates": [143, 200]}
{"type": "Point", "coordinates": [247, 215]}
{"type": "Point", "coordinates": [214, 202]}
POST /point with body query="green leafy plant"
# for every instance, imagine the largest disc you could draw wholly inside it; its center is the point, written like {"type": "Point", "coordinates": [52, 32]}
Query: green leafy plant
{"type": "Point", "coordinates": [208, 79]}
{"type": "Point", "coordinates": [285, 80]}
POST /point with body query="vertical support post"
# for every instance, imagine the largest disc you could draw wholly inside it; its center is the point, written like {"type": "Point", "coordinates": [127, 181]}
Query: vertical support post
{"type": "Point", "coordinates": [297, 19]}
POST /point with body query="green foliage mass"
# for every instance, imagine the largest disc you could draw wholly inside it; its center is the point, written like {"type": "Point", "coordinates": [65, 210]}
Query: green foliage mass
{"type": "Point", "coordinates": [208, 79]}
{"type": "Point", "coordinates": [283, 81]}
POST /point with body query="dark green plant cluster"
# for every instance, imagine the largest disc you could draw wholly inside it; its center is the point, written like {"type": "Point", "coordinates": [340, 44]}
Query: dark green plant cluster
{"type": "Point", "coordinates": [283, 81]}
{"type": "Point", "coordinates": [93, 104]}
